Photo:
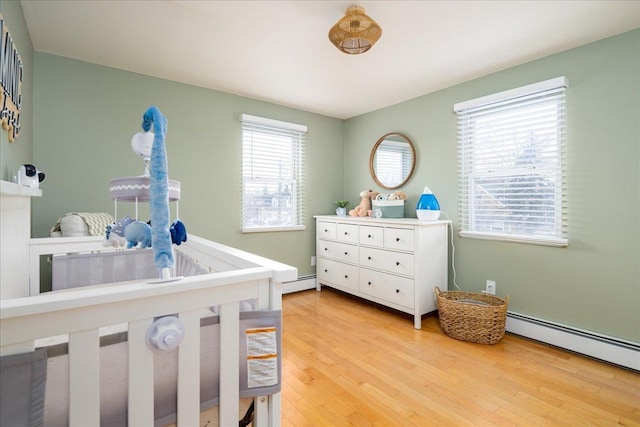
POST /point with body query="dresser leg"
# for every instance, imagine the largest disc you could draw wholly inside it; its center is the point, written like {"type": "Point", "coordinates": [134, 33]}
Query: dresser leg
{"type": "Point", "coordinates": [417, 321]}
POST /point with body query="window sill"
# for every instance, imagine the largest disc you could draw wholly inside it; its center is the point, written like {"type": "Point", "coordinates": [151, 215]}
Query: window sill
{"type": "Point", "coordinates": [272, 229]}
{"type": "Point", "coordinates": [555, 242]}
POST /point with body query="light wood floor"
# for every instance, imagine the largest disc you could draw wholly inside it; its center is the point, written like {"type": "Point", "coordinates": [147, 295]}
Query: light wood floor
{"type": "Point", "coordinates": [348, 362]}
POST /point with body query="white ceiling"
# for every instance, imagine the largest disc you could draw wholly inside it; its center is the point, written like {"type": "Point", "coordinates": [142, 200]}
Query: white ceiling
{"type": "Point", "coordinates": [278, 51]}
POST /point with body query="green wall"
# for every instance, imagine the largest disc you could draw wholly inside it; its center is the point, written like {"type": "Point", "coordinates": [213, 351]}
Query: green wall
{"type": "Point", "coordinates": [594, 284]}
{"type": "Point", "coordinates": [86, 115]}
{"type": "Point", "coordinates": [14, 154]}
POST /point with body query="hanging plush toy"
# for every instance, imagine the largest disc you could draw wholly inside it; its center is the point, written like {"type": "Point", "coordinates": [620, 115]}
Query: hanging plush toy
{"type": "Point", "coordinates": [178, 232]}
{"type": "Point", "coordinates": [159, 192]}
{"type": "Point", "coordinates": [114, 233]}
{"type": "Point", "coordinates": [138, 232]}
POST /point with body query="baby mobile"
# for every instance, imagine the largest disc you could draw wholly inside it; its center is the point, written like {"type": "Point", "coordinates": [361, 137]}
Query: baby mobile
{"type": "Point", "coordinates": [153, 187]}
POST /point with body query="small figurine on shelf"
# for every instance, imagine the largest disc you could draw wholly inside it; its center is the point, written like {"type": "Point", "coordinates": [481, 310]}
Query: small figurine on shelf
{"type": "Point", "coordinates": [341, 209]}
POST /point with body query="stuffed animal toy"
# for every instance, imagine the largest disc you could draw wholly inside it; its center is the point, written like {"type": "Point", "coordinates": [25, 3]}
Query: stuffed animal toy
{"type": "Point", "coordinates": [364, 208]}
{"type": "Point", "coordinates": [112, 239]}
{"type": "Point", "coordinates": [114, 233]}
{"type": "Point", "coordinates": [138, 232]}
{"type": "Point", "coordinates": [178, 232]}
{"type": "Point", "coordinates": [398, 195]}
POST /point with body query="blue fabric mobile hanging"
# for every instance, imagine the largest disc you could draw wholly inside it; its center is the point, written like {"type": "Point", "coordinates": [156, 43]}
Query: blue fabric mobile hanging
{"type": "Point", "coordinates": [159, 192]}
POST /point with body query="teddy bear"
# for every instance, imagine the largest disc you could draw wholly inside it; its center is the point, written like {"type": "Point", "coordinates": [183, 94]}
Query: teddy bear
{"type": "Point", "coordinates": [398, 195]}
{"type": "Point", "coordinates": [364, 208]}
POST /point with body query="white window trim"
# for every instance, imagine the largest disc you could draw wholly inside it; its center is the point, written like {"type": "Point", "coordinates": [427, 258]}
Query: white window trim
{"type": "Point", "coordinates": [550, 84]}
{"type": "Point", "coordinates": [512, 93]}
{"type": "Point", "coordinates": [559, 243]}
{"type": "Point", "coordinates": [273, 123]}
{"type": "Point", "coordinates": [272, 229]}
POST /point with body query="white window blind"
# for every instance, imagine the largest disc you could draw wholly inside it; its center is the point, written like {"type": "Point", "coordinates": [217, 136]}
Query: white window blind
{"type": "Point", "coordinates": [511, 159]}
{"type": "Point", "coordinates": [272, 174]}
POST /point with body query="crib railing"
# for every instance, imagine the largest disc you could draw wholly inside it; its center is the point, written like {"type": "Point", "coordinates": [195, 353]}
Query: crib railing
{"type": "Point", "coordinates": [82, 312]}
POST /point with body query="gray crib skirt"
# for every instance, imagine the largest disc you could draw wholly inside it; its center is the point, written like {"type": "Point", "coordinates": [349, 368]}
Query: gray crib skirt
{"type": "Point", "coordinates": [27, 401]}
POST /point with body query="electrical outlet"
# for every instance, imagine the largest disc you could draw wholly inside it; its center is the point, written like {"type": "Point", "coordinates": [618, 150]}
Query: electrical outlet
{"type": "Point", "coordinates": [313, 261]}
{"type": "Point", "coordinates": [490, 287]}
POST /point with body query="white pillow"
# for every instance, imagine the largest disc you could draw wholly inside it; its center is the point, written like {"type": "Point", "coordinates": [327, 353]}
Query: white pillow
{"type": "Point", "coordinates": [72, 225]}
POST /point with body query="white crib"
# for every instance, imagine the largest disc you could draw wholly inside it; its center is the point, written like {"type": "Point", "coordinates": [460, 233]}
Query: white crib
{"type": "Point", "coordinates": [82, 315]}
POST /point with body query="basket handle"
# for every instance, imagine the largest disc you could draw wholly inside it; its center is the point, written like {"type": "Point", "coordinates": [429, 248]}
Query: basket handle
{"type": "Point", "coordinates": [437, 291]}
{"type": "Point", "coordinates": [506, 299]}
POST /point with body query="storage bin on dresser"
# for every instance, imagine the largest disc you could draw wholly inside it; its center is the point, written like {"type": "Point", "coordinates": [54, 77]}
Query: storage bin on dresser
{"type": "Point", "coordinates": [396, 262]}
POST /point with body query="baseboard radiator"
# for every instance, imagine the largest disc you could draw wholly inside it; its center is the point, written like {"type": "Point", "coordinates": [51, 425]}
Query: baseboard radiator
{"type": "Point", "coordinates": [609, 349]}
{"type": "Point", "coordinates": [303, 283]}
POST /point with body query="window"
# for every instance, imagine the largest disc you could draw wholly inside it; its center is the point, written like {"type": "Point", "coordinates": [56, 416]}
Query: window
{"type": "Point", "coordinates": [511, 149]}
{"type": "Point", "coordinates": [272, 173]}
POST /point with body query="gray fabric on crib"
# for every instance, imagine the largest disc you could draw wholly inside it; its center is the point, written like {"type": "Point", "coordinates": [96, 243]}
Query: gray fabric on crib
{"type": "Point", "coordinates": [114, 375]}
{"type": "Point", "coordinates": [71, 271]}
{"type": "Point", "coordinates": [22, 388]}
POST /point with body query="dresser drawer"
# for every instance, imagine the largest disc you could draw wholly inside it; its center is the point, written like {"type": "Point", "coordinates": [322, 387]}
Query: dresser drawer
{"type": "Point", "coordinates": [399, 238]}
{"type": "Point", "coordinates": [390, 288]}
{"type": "Point", "coordinates": [338, 274]}
{"type": "Point", "coordinates": [393, 262]}
{"type": "Point", "coordinates": [326, 230]}
{"type": "Point", "coordinates": [338, 251]}
{"type": "Point", "coordinates": [347, 233]}
{"type": "Point", "coordinates": [371, 236]}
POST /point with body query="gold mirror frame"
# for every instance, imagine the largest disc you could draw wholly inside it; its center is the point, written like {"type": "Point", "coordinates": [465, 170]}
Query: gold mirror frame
{"type": "Point", "coordinates": [372, 159]}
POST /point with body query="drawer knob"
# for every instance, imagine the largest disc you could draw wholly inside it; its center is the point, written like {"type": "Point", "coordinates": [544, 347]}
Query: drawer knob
{"type": "Point", "coordinates": [397, 262]}
{"type": "Point", "coordinates": [346, 234]}
{"type": "Point", "coordinates": [397, 291]}
{"type": "Point", "coordinates": [369, 236]}
{"type": "Point", "coordinates": [346, 253]}
{"type": "Point", "coordinates": [369, 283]}
{"type": "Point", "coordinates": [369, 258]}
{"type": "Point", "coordinates": [397, 239]}
{"type": "Point", "coordinates": [346, 277]}
{"type": "Point", "coordinates": [326, 249]}
{"type": "Point", "coordinates": [326, 231]}
{"type": "Point", "coordinates": [326, 271]}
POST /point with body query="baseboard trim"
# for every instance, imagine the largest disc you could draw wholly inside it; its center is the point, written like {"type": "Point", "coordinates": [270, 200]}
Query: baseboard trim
{"type": "Point", "coordinates": [609, 349]}
{"type": "Point", "coordinates": [302, 284]}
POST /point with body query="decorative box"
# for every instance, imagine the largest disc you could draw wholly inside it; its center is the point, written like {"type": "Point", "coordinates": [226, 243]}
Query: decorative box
{"type": "Point", "coordinates": [387, 208]}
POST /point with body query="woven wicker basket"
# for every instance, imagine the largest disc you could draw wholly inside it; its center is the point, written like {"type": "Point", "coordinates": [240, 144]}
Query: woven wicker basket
{"type": "Point", "coordinates": [472, 316]}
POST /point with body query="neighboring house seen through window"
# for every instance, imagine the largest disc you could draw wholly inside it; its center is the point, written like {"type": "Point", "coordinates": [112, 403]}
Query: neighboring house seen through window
{"type": "Point", "coordinates": [511, 159]}
{"type": "Point", "coordinates": [272, 174]}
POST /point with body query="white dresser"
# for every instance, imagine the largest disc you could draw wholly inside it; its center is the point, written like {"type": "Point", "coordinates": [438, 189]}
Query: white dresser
{"type": "Point", "coordinates": [396, 262]}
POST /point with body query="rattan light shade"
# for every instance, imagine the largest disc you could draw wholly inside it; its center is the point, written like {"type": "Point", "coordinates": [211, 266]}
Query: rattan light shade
{"type": "Point", "coordinates": [356, 32]}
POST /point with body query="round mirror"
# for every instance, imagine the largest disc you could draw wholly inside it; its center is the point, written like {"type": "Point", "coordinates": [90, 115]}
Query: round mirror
{"type": "Point", "coordinates": [392, 161]}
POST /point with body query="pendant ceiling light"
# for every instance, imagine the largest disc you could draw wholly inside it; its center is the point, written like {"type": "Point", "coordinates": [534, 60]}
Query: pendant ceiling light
{"type": "Point", "coordinates": [356, 32]}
